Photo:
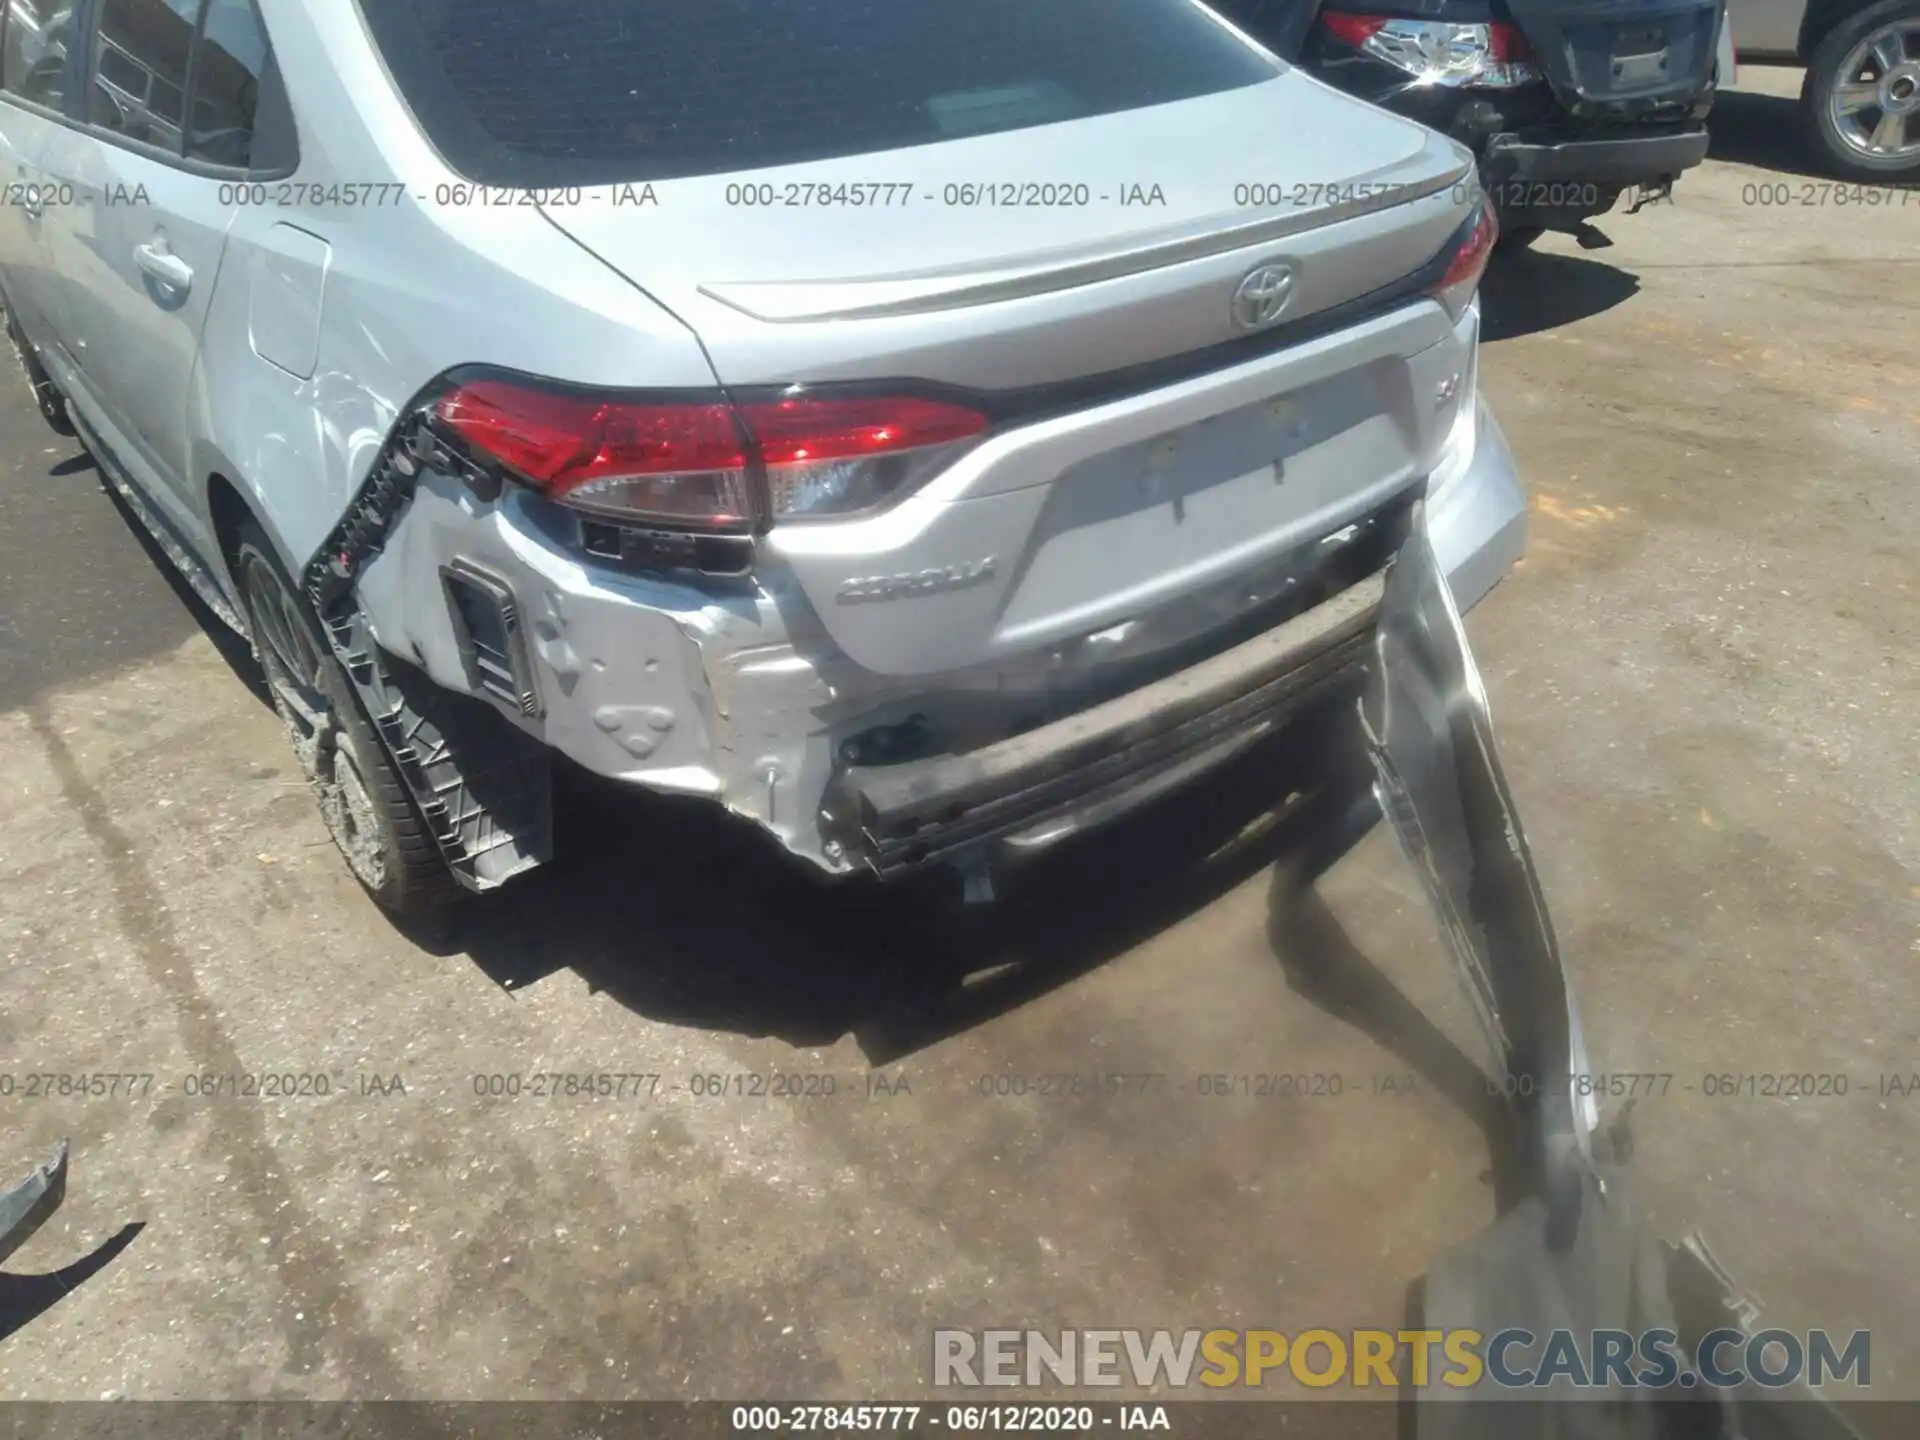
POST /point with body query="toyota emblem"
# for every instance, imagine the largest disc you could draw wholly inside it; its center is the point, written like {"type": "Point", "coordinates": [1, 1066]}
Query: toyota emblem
{"type": "Point", "coordinates": [1262, 297]}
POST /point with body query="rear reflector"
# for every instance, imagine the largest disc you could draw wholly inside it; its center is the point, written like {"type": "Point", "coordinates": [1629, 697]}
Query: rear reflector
{"type": "Point", "coordinates": [699, 462]}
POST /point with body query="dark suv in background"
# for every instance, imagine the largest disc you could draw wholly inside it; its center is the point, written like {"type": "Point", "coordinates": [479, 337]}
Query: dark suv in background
{"type": "Point", "coordinates": [1567, 103]}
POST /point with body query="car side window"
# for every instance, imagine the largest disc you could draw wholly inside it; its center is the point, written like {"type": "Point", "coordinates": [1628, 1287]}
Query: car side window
{"type": "Point", "coordinates": [228, 69]}
{"type": "Point", "coordinates": [140, 54]}
{"type": "Point", "coordinates": [34, 48]}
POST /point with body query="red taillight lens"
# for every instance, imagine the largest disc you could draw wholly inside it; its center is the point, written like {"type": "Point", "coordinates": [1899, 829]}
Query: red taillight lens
{"type": "Point", "coordinates": [692, 462]}
{"type": "Point", "coordinates": [1354, 30]}
{"type": "Point", "coordinates": [1468, 263]}
{"type": "Point", "coordinates": [1506, 44]}
{"type": "Point", "coordinates": [674, 463]}
{"type": "Point", "coordinates": [828, 455]}
{"type": "Point", "coordinates": [806, 428]}
{"type": "Point", "coordinates": [563, 440]}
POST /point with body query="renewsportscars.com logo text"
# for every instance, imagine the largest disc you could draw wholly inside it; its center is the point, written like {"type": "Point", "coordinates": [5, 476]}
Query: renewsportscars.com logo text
{"type": "Point", "coordinates": [1507, 1359]}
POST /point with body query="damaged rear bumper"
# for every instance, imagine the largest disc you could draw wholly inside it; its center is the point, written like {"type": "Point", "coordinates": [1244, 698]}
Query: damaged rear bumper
{"type": "Point", "coordinates": [1041, 786]}
{"type": "Point", "coordinates": [729, 690]}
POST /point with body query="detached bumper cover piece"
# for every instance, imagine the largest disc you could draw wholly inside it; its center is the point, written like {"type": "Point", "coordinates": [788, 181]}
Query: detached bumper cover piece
{"type": "Point", "coordinates": [26, 1207]}
{"type": "Point", "coordinates": [1441, 785]}
{"type": "Point", "coordinates": [1569, 1255]}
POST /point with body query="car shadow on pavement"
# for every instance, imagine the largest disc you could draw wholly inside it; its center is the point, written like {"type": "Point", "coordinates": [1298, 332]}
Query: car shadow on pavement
{"type": "Point", "coordinates": [1748, 128]}
{"type": "Point", "coordinates": [712, 928]}
{"type": "Point", "coordinates": [1325, 967]}
{"type": "Point", "coordinates": [1528, 291]}
{"type": "Point", "coordinates": [692, 918]}
{"type": "Point", "coordinates": [24, 1298]}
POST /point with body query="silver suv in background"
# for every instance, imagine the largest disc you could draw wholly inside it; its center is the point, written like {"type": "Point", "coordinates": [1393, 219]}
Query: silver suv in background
{"type": "Point", "coordinates": [925, 430]}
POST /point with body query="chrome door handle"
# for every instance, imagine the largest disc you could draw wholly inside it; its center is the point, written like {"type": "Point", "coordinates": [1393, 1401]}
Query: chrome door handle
{"type": "Point", "coordinates": [31, 205]}
{"type": "Point", "coordinates": [155, 259]}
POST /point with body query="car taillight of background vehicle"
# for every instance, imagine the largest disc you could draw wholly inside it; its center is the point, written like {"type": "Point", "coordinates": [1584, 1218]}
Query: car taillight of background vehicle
{"type": "Point", "coordinates": [701, 463]}
{"type": "Point", "coordinates": [1492, 57]}
{"type": "Point", "coordinates": [1454, 289]}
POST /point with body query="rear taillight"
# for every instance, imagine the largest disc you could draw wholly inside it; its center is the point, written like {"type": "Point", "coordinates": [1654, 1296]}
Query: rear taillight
{"type": "Point", "coordinates": [1474, 248]}
{"type": "Point", "coordinates": [1492, 57]}
{"type": "Point", "coordinates": [1354, 30]}
{"type": "Point", "coordinates": [661, 462]}
{"type": "Point", "coordinates": [708, 463]}
{"type": "Point", "coordinates": [833, 456]}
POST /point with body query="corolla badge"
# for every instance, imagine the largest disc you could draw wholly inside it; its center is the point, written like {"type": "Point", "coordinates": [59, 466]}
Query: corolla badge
{"type": "Point", "coordinates": [1263, 296]}
{"type": "Point", "coordinates": [916, 582]}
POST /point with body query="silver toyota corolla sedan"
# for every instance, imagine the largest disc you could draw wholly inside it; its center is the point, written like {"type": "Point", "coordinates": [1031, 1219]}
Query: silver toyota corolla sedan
{"type": "Point", "coordinates": [925, 430]}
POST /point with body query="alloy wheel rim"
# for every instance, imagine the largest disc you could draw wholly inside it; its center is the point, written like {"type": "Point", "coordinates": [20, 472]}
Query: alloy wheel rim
{"type": "Point", "coordinates": [1875, 106]}
{"type": "Point", "coordinates": [323, 748]}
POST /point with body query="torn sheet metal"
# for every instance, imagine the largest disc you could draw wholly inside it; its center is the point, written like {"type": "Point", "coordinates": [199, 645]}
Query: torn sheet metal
{"type": "Point", "coordinates": [26, 1207]}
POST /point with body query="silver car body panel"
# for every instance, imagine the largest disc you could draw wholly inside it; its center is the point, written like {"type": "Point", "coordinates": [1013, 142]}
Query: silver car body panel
{"type": "Point", "coordinates": [1115, 509]}
{"type": "Point", "coordinates": [1130, 526]}
{"type": "Point", "coordinates": [1055, 286]}
{"type": "Point", "coordinates": [659, 684]}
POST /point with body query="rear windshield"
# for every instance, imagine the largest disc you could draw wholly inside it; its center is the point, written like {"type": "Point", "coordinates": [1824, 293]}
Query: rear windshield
{"type": "Point", "coordinates": [584, 92]}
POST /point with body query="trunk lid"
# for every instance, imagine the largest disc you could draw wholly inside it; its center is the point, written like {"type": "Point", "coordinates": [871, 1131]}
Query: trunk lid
{"type": "Point", "coordinates": [1031, 255]}
{"type": "Point", "coordinates": [1133, 498]}
{"type": "Point", "coordinates": [1622, 58]}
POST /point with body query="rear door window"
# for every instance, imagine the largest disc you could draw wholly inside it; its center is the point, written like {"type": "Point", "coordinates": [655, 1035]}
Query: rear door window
{"type": "Point", "coordinates": [227, 72]}
{"type": "Point", "coordinates": [580, 92]}
{"type": "Point", "coordinates": [140, 55]}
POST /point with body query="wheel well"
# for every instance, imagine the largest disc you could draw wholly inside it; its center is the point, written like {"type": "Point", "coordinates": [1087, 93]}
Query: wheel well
{"type": "Point", "coordinates": [1820, 20]}
{"type": "Point", "coordinates": [230, 512]}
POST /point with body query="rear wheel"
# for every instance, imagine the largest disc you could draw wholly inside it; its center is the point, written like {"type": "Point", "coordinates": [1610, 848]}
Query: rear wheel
{"type": "Point", "coordinates": [362, 799]}
{"type": "Point", "coordinates": [1860, 103]}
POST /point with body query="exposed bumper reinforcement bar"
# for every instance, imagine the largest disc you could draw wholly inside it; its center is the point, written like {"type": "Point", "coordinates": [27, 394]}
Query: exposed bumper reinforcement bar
{"type": "Point", "coordinates": [896, 817]}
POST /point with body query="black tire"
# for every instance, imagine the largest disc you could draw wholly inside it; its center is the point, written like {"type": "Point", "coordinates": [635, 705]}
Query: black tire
{"type": "Point", "coordinates": [46, 395]}
{"type": "Point", "coordinates": [363, 801]}
{"type": "Point", "coordinates": [1832, 66]}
